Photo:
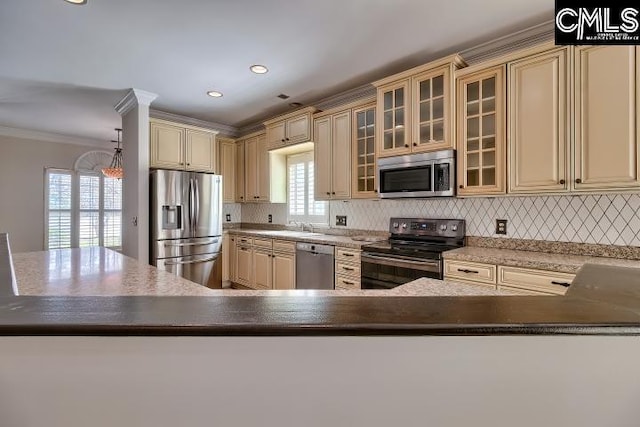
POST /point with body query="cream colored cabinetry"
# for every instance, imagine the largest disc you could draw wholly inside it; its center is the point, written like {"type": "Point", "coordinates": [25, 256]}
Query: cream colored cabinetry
{"type": "Point", "coordinates": [227, 169]}
{"type": "Point", "coordinates": [240, 190]}
{"type": "Point", "coordinates": [607, 117]}
{"type": "Point", "coordinates": [515, 279]}
{"type": "Point", "coordinates": [271, 263]}
{"type": "Point", "coordinates": [347, 269]}
{"type": "Point", "coordinates": [176, 146]}
{"type": "Point", "coordinates": [538, 134]}
{"type": "Point", "coordinates": [332, 156]}
{"type": "Point", "coordinates": [264, 175]}
{"type": "Point", "coordinates": [415, 109]}
{"type": "Point", "coordinates": [481, 133]}
{"type": "Point", "coordinates": [229, 259]}
{"type": "Point", "coordinates": [290, 129]}
{"type": "Point", "coordinates": [225, 258]}
{"type": "Point", "coordinates": [363, 153]}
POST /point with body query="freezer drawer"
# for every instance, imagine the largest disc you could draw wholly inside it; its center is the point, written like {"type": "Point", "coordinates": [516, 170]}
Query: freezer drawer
{"type": "Point", "coordinates": [205, 269]}
{"type": "Point", "coordinates": [186, 247]}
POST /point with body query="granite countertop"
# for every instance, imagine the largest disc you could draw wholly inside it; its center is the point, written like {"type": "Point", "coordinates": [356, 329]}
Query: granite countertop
{"type": "Point", "coordinates": [98, 271]}
{"type": "Point", "coordinates": [298, 236]}
{"type": "Point", "coordinates": [534, 260]}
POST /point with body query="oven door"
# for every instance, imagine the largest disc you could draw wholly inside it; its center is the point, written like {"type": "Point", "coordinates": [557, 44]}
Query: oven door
{"type": "Point", "coordinates": [388, 271]}
{"type": "Point", "coordinates": [406, 180]}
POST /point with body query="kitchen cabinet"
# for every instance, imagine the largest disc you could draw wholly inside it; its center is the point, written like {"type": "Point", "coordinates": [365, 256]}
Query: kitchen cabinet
{"type": "Point", "coordinates": [415, 109]}
{"type": "Point", "coordinates": [264, 174]}
{"type": "Point", "coordinates": [347, 269]}
{"type": "Point", "coordinates": [524, 281]}
{"type": "Point", "coordinates": [363, 153]}
{"type": "Point", "coordinates": [265, 263]}
{"type": "Point", "coordinates": [481, 132]}
{"type": "Point", "coordinates": [284, 270]}
{"type": "Point", "coordinates": [176, 146]}
{"type": "Point", "coordinates": [224, 256]}
{"type": "Point", "coordinates": [607, 118]}
{"type": "Point", "coordinates": [240, 189]}
{"type": "Point", "coordinates": [244, 265]}
{"type": "Point", "coordinates": [289, 129]}
{"type": "Point", "coordinates": [231, 251]}
{"type": "Point", "coordinates": [332, 156]}
{"type": "Point", "coordinates": [263, 269]}
{"type": "Point", "coordinates": [227, 169]}
{"type": "Point", "coordinates": [538, 132]}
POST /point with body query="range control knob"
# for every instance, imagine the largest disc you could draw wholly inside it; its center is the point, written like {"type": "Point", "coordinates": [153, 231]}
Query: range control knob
{"type": "Point", "coordinates": [404, 225]}
{"type": "Point", "coordinates": [443, 227]}
{"type": "Point", "coordinates": [395, 225]}
{"type": "Point", "coordinates": [454, 227]}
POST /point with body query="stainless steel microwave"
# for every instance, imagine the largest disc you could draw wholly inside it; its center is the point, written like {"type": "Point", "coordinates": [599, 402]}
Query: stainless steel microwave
{"type": "Point", "coordinates": [417, 175]}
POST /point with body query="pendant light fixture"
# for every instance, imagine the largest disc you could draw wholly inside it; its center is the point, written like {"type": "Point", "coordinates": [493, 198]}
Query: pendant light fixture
{"type": "Point", "coordinates": [115, 169]}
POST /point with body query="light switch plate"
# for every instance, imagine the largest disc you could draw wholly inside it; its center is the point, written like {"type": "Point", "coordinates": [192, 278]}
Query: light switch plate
{"type": "Point", "coordinates": [270, 218]}
{"type": "Point", "coordinates": [341, 220]}
{"type": "Point", "coordinates": [501, 226]}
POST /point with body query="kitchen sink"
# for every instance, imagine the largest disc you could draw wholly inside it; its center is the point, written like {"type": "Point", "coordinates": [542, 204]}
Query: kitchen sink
{"type": "Point", "coordinates": [288, 233]}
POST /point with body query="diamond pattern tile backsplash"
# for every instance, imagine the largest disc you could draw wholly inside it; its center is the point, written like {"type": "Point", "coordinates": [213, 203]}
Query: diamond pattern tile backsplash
{"type": "Point", "coordinates": [605, 219]}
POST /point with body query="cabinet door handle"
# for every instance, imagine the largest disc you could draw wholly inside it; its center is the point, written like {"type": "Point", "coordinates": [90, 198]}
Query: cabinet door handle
{"type": "Point", "coordinates": [347, 268]}
{"type": "Point", "coordinates": [464, 270]}
{"type": "Point", "coordinates": [346, 282]}
{"type": "Point", "coordinates": [562, 181]}
{"type": "Point", "coordinates": [578, 181]}
{"type": "Point", "coordinates": [565, 284]}
{"type": "Point", "coordinates": [241, 197]}
{"type": "Point", "coordinates": [347, 254]}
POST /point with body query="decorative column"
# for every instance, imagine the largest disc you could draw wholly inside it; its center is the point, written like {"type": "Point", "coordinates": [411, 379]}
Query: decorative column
{"type": "Point", "coordinates": [134, 109]}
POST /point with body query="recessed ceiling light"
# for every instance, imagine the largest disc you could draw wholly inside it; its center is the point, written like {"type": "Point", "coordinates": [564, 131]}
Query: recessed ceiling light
{"type": "Point", "coordinates": [77, 1]}
{"type": "Point", "coordinates": [214, 93]}
{"type": "Point", "coordinates": [259, 69]}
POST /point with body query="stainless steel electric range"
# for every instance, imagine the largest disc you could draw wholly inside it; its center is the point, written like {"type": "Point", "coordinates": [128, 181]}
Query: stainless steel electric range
{"type": "Point", "coordinates": [414, 250]}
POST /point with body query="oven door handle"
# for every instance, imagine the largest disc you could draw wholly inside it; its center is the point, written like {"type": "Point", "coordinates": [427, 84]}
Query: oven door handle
{"type": "Point", "coordinates": [428, 265]}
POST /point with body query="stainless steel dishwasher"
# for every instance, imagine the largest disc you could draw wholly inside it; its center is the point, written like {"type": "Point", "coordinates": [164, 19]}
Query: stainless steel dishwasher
{"type": "Point", "coordinates": [314, 266]}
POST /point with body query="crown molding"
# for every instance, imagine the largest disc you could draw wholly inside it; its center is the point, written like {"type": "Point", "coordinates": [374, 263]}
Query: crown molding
{"type": "Point", "coordinates": [134, 98]}
{"type": "Point", "coordinates": [250, 129]}
{"type": "Point", "coordinates": [50, 137]}
{"type": "Point", "coordinates": [510, 43]}
{"type": "Point", "coordinates": [222, 128]}
{"type": "Point", "coordinates": [361, 93]}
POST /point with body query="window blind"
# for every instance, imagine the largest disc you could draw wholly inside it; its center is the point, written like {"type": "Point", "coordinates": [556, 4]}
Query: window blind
{"type": "Point", "coordinates": [301, 205]}
{"type": "Point", "coordinates": [59, 200]}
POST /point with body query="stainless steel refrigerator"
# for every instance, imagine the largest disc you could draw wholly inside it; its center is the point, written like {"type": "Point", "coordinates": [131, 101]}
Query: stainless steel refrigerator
{"type": "Point", "coordinates": [186, 225]}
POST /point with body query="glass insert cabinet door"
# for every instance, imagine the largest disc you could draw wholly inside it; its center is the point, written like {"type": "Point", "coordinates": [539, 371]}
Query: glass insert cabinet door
{"type": "Point", "coordinates": [364, 153]}
{"type": "Point", "coordinates": [431, 111]}
{"type": "Point", "coordinates": [481, 138]}
{"type": "Point", "coordinates": [393, 111]}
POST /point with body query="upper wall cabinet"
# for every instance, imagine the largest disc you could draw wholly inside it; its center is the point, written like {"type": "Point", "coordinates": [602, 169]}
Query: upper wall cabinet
{"type": "Point", "coordinates": [363, 153]}
{"type": "Point", "coordinates": [240, 190]}
{"type": "Point", "coordinates": [264, 174]}
{"type": "Point", "coordinates": [481, 133]}
{"type": "Point", "coordinates": [538, 131]}
{"type": "Point", "coordinates": [415, 109]}
{"type": "Point", "coordinates": [293, 128]}
{"type": "Point", "coordinates": [607, 117]}
{"type": "Point", "coordinates": [176, 146]}
{"type": "Point", "coordinates": [332, 156]}
{"type": "Point", "coordinates": [227, 168]}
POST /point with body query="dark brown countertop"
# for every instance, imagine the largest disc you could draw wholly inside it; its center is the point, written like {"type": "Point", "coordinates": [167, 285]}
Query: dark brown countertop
{"type": "Point", "coordinates": [602, 300]}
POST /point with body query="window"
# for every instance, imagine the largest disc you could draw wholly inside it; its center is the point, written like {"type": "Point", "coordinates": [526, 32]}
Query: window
{"type": "Point", "coordinates": [83, 209]}
{"type": "Point", "coordinates": [301, 205]}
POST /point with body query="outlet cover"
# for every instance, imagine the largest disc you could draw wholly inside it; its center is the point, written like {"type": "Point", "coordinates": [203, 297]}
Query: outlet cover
{"type": "Point", "coordinates": [228, 217]}
{"type": "Point", "coordinates": [501, 226]}
{"type": "Point", "coordinates": [270, 218]}
{"type": "Point", "coordinates": [341, 220]}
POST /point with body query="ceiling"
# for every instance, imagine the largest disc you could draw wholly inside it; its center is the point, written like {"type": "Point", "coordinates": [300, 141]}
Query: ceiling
{"type": "Point", "coordinates": [63, 67]}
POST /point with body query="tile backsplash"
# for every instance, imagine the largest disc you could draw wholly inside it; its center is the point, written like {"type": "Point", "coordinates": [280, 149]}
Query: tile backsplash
{"type": "Point", "coordinates": [605, 219]}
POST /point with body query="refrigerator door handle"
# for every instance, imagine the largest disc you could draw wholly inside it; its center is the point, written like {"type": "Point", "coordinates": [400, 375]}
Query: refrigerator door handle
{"type": "Point", "coordinates": [196, 215]}
{"type": "Point", "coordinates": [209, 242]}
{"type": "Point", "coordinates": [195, 261]}
{"type": "Point", "coordinates": [191, 207]}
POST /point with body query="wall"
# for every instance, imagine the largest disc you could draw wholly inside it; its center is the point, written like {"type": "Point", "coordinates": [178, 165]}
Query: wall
{"type": "Point", "coordinates": [524, 381]}
{"type": "Point", "coordinates": [606, 219]}
{"type": "Point", "coordinates": [22, 164]}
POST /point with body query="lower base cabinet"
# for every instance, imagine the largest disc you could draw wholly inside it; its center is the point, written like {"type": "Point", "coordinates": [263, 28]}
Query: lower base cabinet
{"type": "Point", "coordinates": [523, 281]}
{"type": "Point", "coordinates": [262, 269]}
{"type": "Point", "coordinates": [284, 270]}
{"type": "Point", "coordinates": [347, 269]}
{"type": "Point", "coordinates": [263, 264]}
{"type": "Point", "coordinates": [244, 265]}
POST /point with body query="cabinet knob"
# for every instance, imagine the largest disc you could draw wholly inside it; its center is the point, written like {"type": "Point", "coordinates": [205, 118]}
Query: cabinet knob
{"type": "Point", "coordinates": [415, 144]}
{"type": "Point", "coordinates": [461, 186]}
{"type": "Point", "coordinates": [406, 145]}
{"type": "Point", "coordinates": [578, 181]}
{"type": "Point", "coordinates": [241, 197]}
{"type": "Point", "coordinates": [181, 163]}
{"type": "Point", "coordinates": [188, 164]}
{"type": "Point", "coordinates": [282, 140]}
{"type": "Point", "coordinates": [328, 193]}
{"type": "Point", "coordinates": [562, 181]}
{"type": "Point", "coordinates": [333, 192]}
{"type": "Point", "coordinates": [375, 191]}
{"type": "Point", "coordinates": [286, 139]}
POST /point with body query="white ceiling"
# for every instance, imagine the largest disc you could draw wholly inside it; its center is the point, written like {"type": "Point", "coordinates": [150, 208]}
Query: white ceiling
{"type": "Point", "coordinates": [64, 67]}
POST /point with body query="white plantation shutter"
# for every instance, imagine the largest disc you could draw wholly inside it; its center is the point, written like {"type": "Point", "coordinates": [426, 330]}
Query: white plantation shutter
{"type": "Point", "coordinates": [301, 205]}
{"type": "Point", "coordinates": [83, 209]}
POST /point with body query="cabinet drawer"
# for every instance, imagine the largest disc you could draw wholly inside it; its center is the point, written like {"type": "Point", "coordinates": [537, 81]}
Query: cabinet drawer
{"type": "Point", "coordinates": [521, 291]}
{"type": "Point", "coordinates": [284, 246]}
{"type": "Point", "coordinates": [347, 269]}
{"type": "Point", "coordinates": [262, 243]}
{"type": "Point", "coordinates": [347, 255]}
{"type": "Point", "coordinates": [244, 241]}
{"type": "Point", "coordinates": [535, 280]}
{"type": "Point", "coordinates": [346, 283]}
{"type": "Point", "coordinates": [472, 271]}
